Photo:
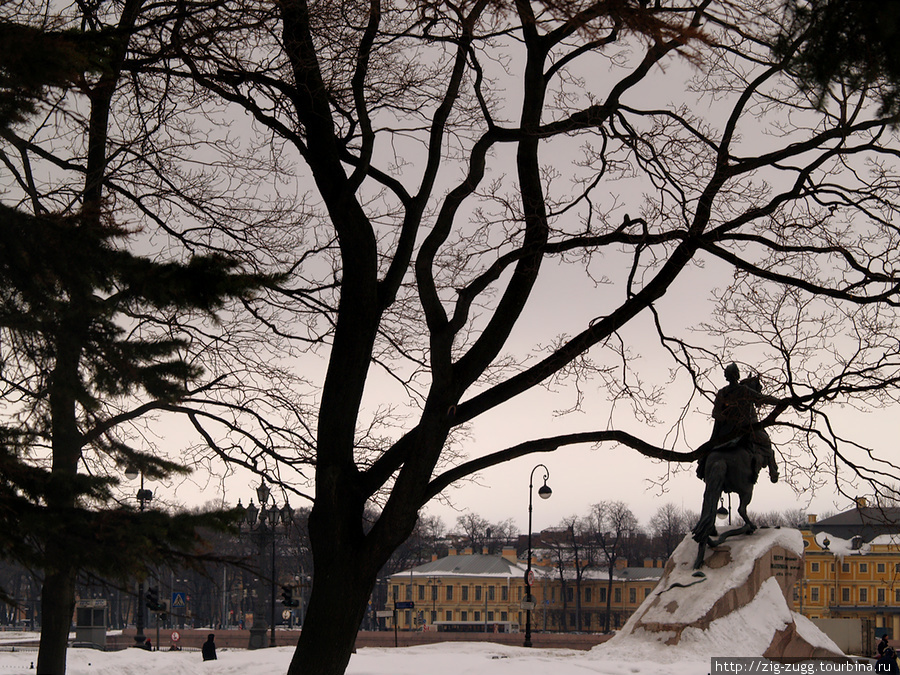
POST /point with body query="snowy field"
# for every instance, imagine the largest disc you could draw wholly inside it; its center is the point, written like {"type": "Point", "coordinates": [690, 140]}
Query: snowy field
{"type": "Point", "coordinates": [746, 632]}
{"type": "Point", "coordinates": [460, 658]}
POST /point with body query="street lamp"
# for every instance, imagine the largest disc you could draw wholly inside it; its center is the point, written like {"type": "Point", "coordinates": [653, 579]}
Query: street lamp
{"type": "Point", "coordinates": [143, 496]}
{"type": "Point", "coordinates": [264, 520]}
{"type": "Point", "coordinates": [544, 492]}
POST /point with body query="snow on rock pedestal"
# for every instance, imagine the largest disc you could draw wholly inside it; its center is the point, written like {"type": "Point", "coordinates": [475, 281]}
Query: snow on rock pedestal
{"type": "Point", "coordinates": [740, 607]}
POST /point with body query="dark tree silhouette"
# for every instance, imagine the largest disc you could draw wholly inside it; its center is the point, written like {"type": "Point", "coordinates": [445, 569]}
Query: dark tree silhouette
{"type": "Point", "coordinates": [423, 171]}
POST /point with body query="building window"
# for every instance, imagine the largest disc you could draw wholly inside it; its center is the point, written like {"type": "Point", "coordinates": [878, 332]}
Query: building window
{"type": "Point", "coordinates": [477, 593]}
{"type": "Point", "coordinates": [897, 595]}
{"type": "Point", "coordinates": [814, 567]}
{"type": "Point", "coordinates": [617, 595]}
{"type": "Point", "coordinates": [814, 594]}
{"type": "Point", "coordinates": [881, 595]}
{"type": "Point", "coordinates": [433, 617]}
{"type": "Point", "coordinates": [863, 568]}
{"type": "Point", "coordinates": [602, 594]}
{"type": "Point", "coordinates": [409, 591]}
{"type": "Point", "coordinates": [476, 616]}
{"type": "Point", "coordinates": [587, 594]}
{"type": "Point", "coordinates": [434, 592]}
{"type": "Point", "coordinates": [449, 592]}
{"type": "Point", "coordinates": [464, 616]}
{"type": "Point", "coordinates": [880, 568]}
{"type": "Point", "coordinates": [449, 615]}
{"type": "Point", "coordinates": [421, 592]}
{"type": "Point", "coordinates": [504, 616]}
{"type": "Point", "coordinates": [863, 594]}
{"type": "Point", "coordinates": [465, 593]}
{"type": "Point", "coordinates": [845, 568]}
{"type": "Point", "coordinates": [647, 591]}
{"type": "Point", "coordinates": [632, 595]}
{"type": "Point", "coordinates": [490, 616]}
{"type": "Point", "coordinates": [396, 593]}
{"type": "Point", "coordinates": [519, 591]}
{"type": "Point", "coordinates": [845, 594]}
{"type": "Point", "coordinates": [491, 593]}
{"type": "Point", "coordinates": [504, 593]}
{"type": "Point", "coordinates": [586, 620]}
{"type": "Point", "coordinates": [570, 594]}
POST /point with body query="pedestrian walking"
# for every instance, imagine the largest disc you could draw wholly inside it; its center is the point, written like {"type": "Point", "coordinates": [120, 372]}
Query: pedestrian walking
{"type": "Point", "coordinates": [209, 648]}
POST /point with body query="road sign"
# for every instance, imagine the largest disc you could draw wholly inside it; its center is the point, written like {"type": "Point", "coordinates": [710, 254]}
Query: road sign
{"type": "Point", "coordinates": [529, 577]}
{"type": "Point", "coordinates": [285, 614]}
{"type": "Point", "coordinates": [176, 636]}
{"type": "Point", "coordinates": [406, 604]}
{"type": "Point", "coordinates": [528, 604]}
{"type": "Point", "coordinates": [384, 614]}
{"type": "Point", "coordinates": [178, 599]}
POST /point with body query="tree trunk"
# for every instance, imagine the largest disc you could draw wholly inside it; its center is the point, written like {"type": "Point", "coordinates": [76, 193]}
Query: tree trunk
{"type": "Point", "coordinates": [336, 609]}
{"type": "Point", "coordinates": [57, 606]}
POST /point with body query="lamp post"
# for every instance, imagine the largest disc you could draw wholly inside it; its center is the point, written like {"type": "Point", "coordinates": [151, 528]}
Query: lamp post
{"type": "Point", "coordinates": [544, 492]}
{"type": "Point", "coordinates": [143, 496]}
{"type": "Point", "coordinates": [264, 520]}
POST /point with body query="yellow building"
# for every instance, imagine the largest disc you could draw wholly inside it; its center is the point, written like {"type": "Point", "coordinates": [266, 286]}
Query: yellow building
{"type": "Point", "coordinates": [484, 593]}
{"type": "Point", "coordinates": [852, 568]}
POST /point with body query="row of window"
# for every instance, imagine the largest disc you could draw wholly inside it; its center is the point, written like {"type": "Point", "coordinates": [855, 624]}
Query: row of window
{"type": "Point", "coordinates": [477, 593]}
{"type": "Point", "coordinates": [460, 615]}
{"type": "Point", "coordinates": [861, 567]}
{"type": "Point", "coordinates": [449, 591]}
{"type": "Point", "coordinates": [862, 596]}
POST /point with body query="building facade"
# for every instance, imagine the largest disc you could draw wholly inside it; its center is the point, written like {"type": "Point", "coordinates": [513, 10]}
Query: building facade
{"type": "Point", "coordinates": [852, 568]}
{"type": "Point", "coordinates": [484, 593]}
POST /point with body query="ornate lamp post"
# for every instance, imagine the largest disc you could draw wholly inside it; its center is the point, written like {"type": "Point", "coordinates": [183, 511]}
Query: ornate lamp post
{"type": "Point", "coordinates": [143, 496]}
{"type": "Point", "coordinates": [544, 492]}
{"type": "Point", "coordinates": [264, 520]}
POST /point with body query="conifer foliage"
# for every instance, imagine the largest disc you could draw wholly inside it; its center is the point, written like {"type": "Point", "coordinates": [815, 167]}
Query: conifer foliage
{"type": "Point", "coordinates": [91, 339]}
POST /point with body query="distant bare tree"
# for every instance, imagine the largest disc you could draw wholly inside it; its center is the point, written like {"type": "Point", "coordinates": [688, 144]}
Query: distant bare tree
{"type": "Point", "coordinates": [610, 524]}
{"type": "Point", "coordinates": [669, 526]}
{"type": "Point", "coordinates": [423, 171]}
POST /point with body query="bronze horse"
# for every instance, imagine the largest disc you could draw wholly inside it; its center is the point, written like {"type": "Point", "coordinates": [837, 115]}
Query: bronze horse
{"type": "Point", "coordinates": [733, 467]}
{"type": "Point", "coordinates": [733, 470]}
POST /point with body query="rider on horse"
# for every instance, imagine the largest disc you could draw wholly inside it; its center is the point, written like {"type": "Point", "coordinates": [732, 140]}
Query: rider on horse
{"type": "Point", "coordinates": [734, 414]}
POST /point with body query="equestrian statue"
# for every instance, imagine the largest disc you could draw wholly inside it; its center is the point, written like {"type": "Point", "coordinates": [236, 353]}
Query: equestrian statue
{"type": "Point", "coordinates": [740, 450]}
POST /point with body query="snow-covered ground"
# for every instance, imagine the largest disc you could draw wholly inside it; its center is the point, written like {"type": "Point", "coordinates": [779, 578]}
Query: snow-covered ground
{"type": "Point", "coordinates": [452, 658]}
{"type": "Point", "coordinates": [746, 632]}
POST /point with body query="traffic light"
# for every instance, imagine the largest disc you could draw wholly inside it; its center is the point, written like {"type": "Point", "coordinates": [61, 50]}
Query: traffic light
{"type": "Point", "coordinates": [153, 603]}
{"type": "Point", "coordinates": [287, 597]}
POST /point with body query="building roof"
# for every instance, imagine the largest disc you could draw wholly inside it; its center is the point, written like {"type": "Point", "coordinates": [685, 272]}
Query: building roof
{"type": "Point", "coordinates": [498, 566]}
{"type": "Point", "coordinates": [866, 522]}
{"type": "Point", "coordinates": [465, 565]}
{"type": "Point", "coordinates": [602, 574]}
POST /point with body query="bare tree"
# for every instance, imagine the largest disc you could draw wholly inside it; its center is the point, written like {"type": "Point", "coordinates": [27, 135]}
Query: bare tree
{"type": "Point", "coordinates": [480, 534]}
{"type": "Point", "coordinates": [611, 524]}
{"type": "Point", "coordinates": [446, 204]}
{"type": "Point", "coordinates": [572, 547]}
{"type": "Point", "coordinates": [451, 158]}
{"type": "Point", "coordinates": [669, 526]}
